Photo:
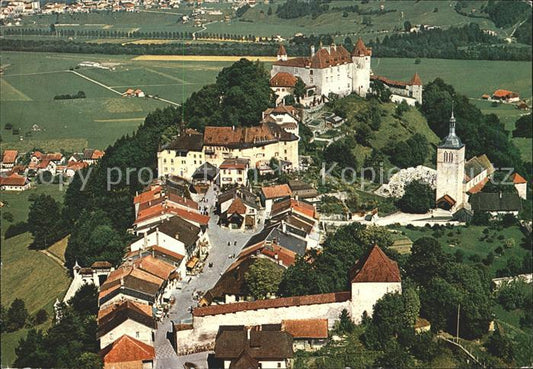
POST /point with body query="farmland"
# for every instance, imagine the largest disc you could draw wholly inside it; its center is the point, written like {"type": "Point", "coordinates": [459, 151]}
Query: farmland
{"type": "Point", "coordinates": [31, 80]}
{"type": "Point", "coordinates": [256, 20]}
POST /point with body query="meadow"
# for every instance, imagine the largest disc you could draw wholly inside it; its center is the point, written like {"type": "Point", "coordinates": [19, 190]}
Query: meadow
{"type": "Point", "coordinates": [31, 80]}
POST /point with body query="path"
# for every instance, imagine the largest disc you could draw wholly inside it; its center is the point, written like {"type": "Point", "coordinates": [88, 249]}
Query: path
{"type": "Point", "coordinates": [96, 82]}
{"type": "Point", "coordinates": [468, 353]}
{"type": "Point", "coordinates": [54, 258]}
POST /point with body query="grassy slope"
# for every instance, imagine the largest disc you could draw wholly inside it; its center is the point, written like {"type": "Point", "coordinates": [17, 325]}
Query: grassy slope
{"type": "Point", "coordinates": [103, 116]}
{"type": "Point", "coordinates": [27, 274]}
{"type": "Point", "coordinates": [468, 241]}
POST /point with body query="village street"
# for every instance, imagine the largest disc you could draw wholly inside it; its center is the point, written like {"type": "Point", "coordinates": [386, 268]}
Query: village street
{"type": "Point", "coordinates": [180, 312]}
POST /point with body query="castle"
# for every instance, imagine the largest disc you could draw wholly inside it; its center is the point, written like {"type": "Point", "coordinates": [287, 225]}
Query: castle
{"type": "Point", "coordinates": [333, 69]}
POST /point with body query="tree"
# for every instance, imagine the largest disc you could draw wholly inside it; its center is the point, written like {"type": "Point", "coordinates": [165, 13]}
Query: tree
{"type": "Point", "coordinates": [418, 198]}
{"type": "Point", "coordinates": [44, 222]}
{"type": "Point", "coordinates": [85, 301]}
{"type": "Point", "coordinates": [263, 278]}
{"type": "Point", "coordinates": [89, 360]}
{"type": "Point", "coordinates": [401, 108]}
{"type": "Point", "coordinates": [395, 356]}
{"type": "Point", "coordinates": [17, 315]}
{"type": "Point", "coordinates": [41, 316]}
{"type": "Point", "coordinates": [299, 89]}
{"type": "Point", "coordinates": [346, 325]}
{"type": "Point", "coordinates": [8, 216]}
{"type": "Point", "coordinates": [340, 152]}
{"type": "Point", "coordinates": [407, 26]}
{"type": "Point", "coordinates": [3, 318]}
{"type": "Point", "coordinates": [8, 126]}
{"type": "Point", "coordinates": [500, 345]}
{"type": "Point", "coordinates": [427, 260]}
{"type": "Point", "coordinates": [269, 11]}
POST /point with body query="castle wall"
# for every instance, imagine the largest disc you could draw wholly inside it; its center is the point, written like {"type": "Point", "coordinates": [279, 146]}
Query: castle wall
{"type": "Point", "coordinates": [365, 295]}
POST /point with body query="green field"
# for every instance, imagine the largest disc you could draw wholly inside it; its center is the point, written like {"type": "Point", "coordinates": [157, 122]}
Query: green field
{"type": "Point", "coordinates": [467, 239]}
{"type": "Point", "coordinates": [27, 274]}
{"type": "Point", "coordinates": [256, 21]}
{"type": "Point", "coordinates": [31, 80]}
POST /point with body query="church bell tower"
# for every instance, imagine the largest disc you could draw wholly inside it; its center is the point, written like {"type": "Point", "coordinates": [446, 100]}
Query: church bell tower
{"type": "Point", "coordinates": [451, 170]}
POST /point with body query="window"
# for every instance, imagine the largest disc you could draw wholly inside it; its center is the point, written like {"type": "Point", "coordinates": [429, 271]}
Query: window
{"type": "Point", "coordinates": [165, 161]}
{"type": "Point", "coordinates": [311, 72]}
{"type": "Point", "coordinates": [172, 161]}
{"type": "Point", "coordinates": [137, 335]}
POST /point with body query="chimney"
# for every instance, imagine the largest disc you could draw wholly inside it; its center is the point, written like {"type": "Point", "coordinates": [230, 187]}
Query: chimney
{"type": "Point", "coordinates": [122, 281]}
{"type": "Point", "coordinates": [248, 333]}
{"type": "Point", "coordinates": [312, 50]}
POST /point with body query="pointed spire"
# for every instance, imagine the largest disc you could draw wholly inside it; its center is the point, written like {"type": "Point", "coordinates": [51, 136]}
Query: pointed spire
{"type": "Point", "coordinates": [452, 123]}
{"type": "Point", "coordinates": [282, 53]}
{"type": "Point", "coordinates": [360, 49]}
{"type": "Point", "coordinates": [452, 141]}
{"type": "Point", "coordinates": [416, 81]}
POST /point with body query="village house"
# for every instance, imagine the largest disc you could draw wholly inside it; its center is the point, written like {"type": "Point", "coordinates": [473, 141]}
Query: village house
{"type": "Point", "coordinates": [182, 156]}
{"type": "Point", "coordinates": [282, 84]}
{"type": "Point", "coordinates": [126, 318]}
{"type": "Point", "coordinates": [496, 204]}
{"type": "Point", "coordinates": [298, 219]}
{"type": "Point", "coordinates": [410, 92]}
{"type": "Point", "coordinates": [14, 182]}
{"type": "Point", "coordinates": [225, 199]}
{"type": "Point", "coordinates": [239, 215]}
{"type": "Point", "coordinates": [303, 191]}
{"type": "Point", "coordinates": [286, 116]}
{"type": "Point", "coordinates": [9, 158]}
{"type": "Point", "coordinates": [234, 171]}
{"type": "Point", "coordinates": [95, 275]}
{"type": "Point", "coordinates": [252, 348]}
{"type": "Point", "coordinates": [271, 194]}
{"type": "Point", "coordinates": [520, 184]}
{"type": "Point", "coordinates": [205, 175]}
{"type": "Point", "coordinates": [128, 353]}
{"type": "Point", "coordinates": [372, 276]}
{"type": "Point", "coordinates": [307, 334]}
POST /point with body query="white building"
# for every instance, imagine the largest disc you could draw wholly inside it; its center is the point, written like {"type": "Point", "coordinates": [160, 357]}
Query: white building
{"type": "Point", "coordinates": [332, 69]}
{"type": "Point", "coordinates": [410, 92]}
{"type": "Point", "coordinates": [234, 171]}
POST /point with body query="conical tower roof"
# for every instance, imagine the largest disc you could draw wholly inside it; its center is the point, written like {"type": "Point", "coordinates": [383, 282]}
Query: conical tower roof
{"type": "Point", "coordinates": [416, 81]}
{"type": "Point", "coordinates": [375, 267]}
{"type": "Point", "coordinates": [281, 50]}
{"type": "Point", "coordinates": [452, 141]}
{"type": "Point", "coordinates": [360, 49]}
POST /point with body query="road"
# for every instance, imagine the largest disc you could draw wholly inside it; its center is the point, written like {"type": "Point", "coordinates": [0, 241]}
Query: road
{"type": "Point", "coordinates": [218, 255]}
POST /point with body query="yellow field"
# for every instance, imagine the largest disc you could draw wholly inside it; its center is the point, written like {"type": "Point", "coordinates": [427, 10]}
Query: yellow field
{"type": "Point", "coordinates": [118, 120]}
{"type": "Point", "coordinates": [200, 58]}
{"type": "Point", "coordinates": [151, 42]}
{"type": "Point", "coordinates": [58, 248]}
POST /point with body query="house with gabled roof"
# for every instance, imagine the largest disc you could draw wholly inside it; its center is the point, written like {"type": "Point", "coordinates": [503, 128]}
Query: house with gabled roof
{"type": "Point", "coordinates": [14, 182]}
{"type": "Point", "coordinates": [126, 318]}
{"type": "Point", "coordinates": [271, 194]}
{"type": "Point", "coordinates": [410, 92]}
{"type": "Point", "coordinates": [520, 184]}
{"type": "Point", "coordinates": [240, 214]}
{"type": "Point", "coordinates": [9, 157]}
{"type": "Point", "coordinates": [307, 334]}
{"type": "Point", "coordinates": [128, 353]}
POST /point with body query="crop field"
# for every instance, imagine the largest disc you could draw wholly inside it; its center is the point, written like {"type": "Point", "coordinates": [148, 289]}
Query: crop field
{"type": "Point", "coordinates": [31, 80]}
{"type": "Point", "coordinates": [256, 20]}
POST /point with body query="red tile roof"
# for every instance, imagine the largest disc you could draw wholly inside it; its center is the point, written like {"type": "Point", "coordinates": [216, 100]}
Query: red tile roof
{"type": "Point", "coordinates": [126, 304]}
{"type": "Point", "coordinates": [191, 216]}
{"type": "Point", "coordinates": [376, 267]}
{"type": "Point", "coordinates": [273, 192]}
{"type": "Point", "coordinates": [478, 187]}
{"type": "Point", "coordinates": [504, 93]}
{"type": "Point", "coordinates": [237, 206]}
{"type": "Point", "coordinates": [148, 195]}
{"type": "Point", "coordinates": [306, 328]}
{"type": "Point", "coordinates": [517, 178]}
{"type": "Point", "coordinates": [127, 349]}
{"type": "Point", "coordinates": [387, 81]}
{"type": "Point", "coordinates": [236, 163]}
{"type": "Point", "coordinates": [154, 266]}
{"type": "Point", "coordinates": [273, 303]}
{"type": "Point", "coordinates": [415, 81]}
{"type": "Point", "coordinates": [9, 156]}
{"type": "Point", "coordinates": [180, 200]}
{"type": "Point", "coordinates": [97, 154]}
{"type": "Point", "coordinates": [360, 49]}
{"type": "Point", "coordinates": [336, 55]}
{"type": "Point", "coordinates": [283, 79]}
{"type": "Point", "coordinates": [77, 165]}
{"type": "Point", "coordinates": [281, 50]}
{"type": "Point", "coordinates": [13, 180]}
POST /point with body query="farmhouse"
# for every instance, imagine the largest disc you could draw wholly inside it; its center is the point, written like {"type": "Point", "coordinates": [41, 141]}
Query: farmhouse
{"type": "Point", "coordinates": [506, 96]}
{"type": "Point", "coordinates": [371, 278]}
{"type": "Point", "coordinates": [9, 157]}
{"type": "Point", "coordinates": [14, 182]}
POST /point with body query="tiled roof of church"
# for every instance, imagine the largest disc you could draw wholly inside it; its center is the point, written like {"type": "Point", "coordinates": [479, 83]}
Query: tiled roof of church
{"type": "Point", "coordinates": [375, 267]}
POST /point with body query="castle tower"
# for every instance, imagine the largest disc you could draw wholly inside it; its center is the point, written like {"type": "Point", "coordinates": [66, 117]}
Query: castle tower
{"type": "Point", "coordinates": [372, 276]}
{"type": "Point", "coordinates": [451, 170]}
{"type": "Point", "coordinates": [415, 88]}
{"type": "Point", "coordinates": [361, 68]}
{"type": "Point", "coordinates": [282, 53]}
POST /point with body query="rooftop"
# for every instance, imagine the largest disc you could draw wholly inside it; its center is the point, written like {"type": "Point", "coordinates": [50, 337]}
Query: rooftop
{"type": "Point", "coordinates": [375, 267]}
{"type": "Point", "coordinates": [274, 192]}
{"type": "Point", "coordinates": [306, 328]}
{"type": "Point", "coordinates": [126, 349]}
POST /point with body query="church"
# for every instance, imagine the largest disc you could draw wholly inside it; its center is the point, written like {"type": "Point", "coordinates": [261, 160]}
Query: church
{"type": "Point", "coordinates": [331, 69]}
{"type": "Point", "coordinates": [457, 179]}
